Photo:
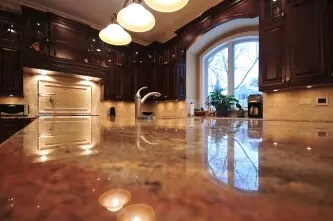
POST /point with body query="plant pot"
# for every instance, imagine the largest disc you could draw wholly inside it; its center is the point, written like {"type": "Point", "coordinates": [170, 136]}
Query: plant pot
{"type": "Point", "coordinates": [222, 111]}
{"type": "Point", "coordinates": [241, 114]}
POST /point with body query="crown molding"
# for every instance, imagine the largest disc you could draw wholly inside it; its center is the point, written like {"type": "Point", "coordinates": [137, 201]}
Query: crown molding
{"type": "Point", "coordinates": [10, 6]}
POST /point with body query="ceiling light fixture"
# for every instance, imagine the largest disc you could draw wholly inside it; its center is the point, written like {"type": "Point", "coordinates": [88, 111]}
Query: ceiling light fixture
{"type": "Point", "coordinates": [166, 6]}
{"type": "Point", "coordinates": [114, 34]}
{"type": "Point", "coordinates": [136, 18]}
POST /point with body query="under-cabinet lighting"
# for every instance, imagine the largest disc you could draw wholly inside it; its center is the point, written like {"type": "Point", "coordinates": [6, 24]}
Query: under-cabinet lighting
{"type": "Point", "coordinates": [275, 90]}
{"type": "Point", "coordinates": [11, 95]}
{"type": "Point", "coordinates": [309, 86]}
{"type": "Point", "coordinates": [43, 72]}
{"type": "Point", "coordinates": [98, 49]}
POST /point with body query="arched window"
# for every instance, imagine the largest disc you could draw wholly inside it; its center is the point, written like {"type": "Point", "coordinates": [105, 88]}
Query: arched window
{"type": "Point", "coordinates": [233, 66]}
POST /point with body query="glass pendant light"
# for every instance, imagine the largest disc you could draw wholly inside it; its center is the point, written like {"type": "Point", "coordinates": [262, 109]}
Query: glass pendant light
{"type": "Point", "coordinates": [166, 6]}
{"type": "Point", "coordinates": [114, 34]}
{"type": "Point", "coordinates": [136, 18]}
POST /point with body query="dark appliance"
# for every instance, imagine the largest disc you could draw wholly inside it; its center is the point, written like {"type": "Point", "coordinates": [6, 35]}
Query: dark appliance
{"type": "Point", "coordinates": [255, 107]}
{"type": "Point", "coordinates": [14, 110]}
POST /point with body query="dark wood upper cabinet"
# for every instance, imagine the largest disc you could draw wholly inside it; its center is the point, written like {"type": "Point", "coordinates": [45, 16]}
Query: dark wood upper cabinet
{"type": "Point", "coordinates": [180, 86]}
{"type": "Point", "coordinates": [10, 29]}
{"type": "Point", "coordinates": [11, 80]}
{"type": "Point", "coordinates": [307, 36]}
{"type": "Point", "coordinates": [117, 85]}
{"type": "Point", "coordinates": [294, 43]}
{"type": "Point", "coordinates": [271, 45]}
{"type": "Point", "coordinates": [68, 32]}
{"type": "Point", "coordinates": [36, 28]}
{"type": "Point", "coordinates": [330, 23]}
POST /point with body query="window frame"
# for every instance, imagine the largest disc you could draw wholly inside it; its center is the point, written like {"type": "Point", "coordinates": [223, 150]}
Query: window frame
{"type": "Point", "coordinates": [229, 43]}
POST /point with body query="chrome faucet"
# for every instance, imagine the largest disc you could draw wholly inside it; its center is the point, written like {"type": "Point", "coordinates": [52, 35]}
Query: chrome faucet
{"type": "Point", "coordinates": [139, 101]}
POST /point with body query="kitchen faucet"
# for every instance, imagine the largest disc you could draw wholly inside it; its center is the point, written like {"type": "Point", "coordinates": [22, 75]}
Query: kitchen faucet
{"type": "Point", "coordinates": [139, 101]}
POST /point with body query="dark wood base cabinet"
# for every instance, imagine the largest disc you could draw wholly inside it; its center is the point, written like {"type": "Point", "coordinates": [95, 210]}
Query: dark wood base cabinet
{"type": "Point", "coordinates": [9, 127]}
{"type": "Point", "coordinates": [294, 44]}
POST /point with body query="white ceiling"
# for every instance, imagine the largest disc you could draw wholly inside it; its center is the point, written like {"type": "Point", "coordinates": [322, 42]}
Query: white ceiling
{"type": "Point", "coordinates": [97, 13]}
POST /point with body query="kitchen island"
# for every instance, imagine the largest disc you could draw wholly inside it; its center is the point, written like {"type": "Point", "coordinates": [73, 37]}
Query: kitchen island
{"type": "Point", "coordinates": [181, 169]}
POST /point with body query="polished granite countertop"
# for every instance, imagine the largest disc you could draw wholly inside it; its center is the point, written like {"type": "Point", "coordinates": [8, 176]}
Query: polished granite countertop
{"type": "Point", "coordinates": [177, 169]}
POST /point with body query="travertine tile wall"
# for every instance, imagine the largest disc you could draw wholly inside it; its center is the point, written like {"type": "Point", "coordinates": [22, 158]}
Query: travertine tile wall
{"type": "Point", "coordinates": [285, 105]}
{"type": "Point", "coordinates": [30, 81]}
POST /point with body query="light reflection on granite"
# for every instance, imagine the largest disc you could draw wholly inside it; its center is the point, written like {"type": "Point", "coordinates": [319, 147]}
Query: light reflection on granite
{"type": "Point", "coordinates": [185, 169]}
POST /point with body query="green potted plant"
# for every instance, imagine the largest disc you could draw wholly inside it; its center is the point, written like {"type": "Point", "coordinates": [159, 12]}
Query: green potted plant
{"type": "Point", "coordinates": [222, 103]}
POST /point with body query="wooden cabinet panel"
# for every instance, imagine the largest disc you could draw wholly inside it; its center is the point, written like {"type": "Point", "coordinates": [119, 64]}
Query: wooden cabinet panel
{"type": "Point", "coordinates": [271, 56]}
{"type": "Point", "coordinates": [68, 32]}
{"type": "Point", "coordinates": [271, 45]}
{"type": "Point", "coordinates": [126, 92]}
{"type": "Point", "coordinates": [36, 29]}
{"type": "Point", "coordinates": [330, 23]}
{"type": "Point", "coordinates": [307, 42]}
{"type": "Point", "coordinates": [112, 85]}
{"type": "Point", "coordinates": [10, 34]}
{"type": "Point", "coordinates": [140, 77]}
{"type": "Point", "coordinates": [60, 51]}
{"type": "Point", "coordinates": [181, 81]}
{"type": "Point", "coordinates": [10, 29]}
{"type": "Point", "coordinates": [117, 85]}
{"type": "Point", "coordinates": [10, 72]}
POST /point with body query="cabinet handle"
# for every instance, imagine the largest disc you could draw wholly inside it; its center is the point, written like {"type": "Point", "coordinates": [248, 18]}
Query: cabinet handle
{"type": "Point", "coordinates": [283, 15]}
{"type": "Point", "coordinates": [282, 81]}
{"type": "Point", "coordinates": [288, 79]}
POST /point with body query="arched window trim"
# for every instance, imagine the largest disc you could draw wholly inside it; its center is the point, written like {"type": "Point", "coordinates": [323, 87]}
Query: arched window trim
{"type": "Point", "coordinates": [230, 42]}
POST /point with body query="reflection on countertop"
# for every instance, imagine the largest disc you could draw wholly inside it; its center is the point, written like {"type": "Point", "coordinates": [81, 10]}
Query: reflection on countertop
{"type": "Point", "coordinates": [180, 169]}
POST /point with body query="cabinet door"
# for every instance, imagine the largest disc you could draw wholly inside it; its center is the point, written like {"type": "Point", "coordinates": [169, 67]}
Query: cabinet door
{"type": "Point", "coordinates": [330, 20]}
{"type": "Point", "coordinates": [271, 31]}
{"type": "Point", "coordinates": [36, 29]}
{"type": "Point", "coordinates": [271, 58]}
{"type": "Point", "coordinates": [68, 32]}
{"type": "Point", "coordinates": [11, 73]}
{"type": "Point", "coordinates": [10, 34]}
{"type": "Point", "coordinates": [121, 84]}
{"type": "Point", "coordinates": [141, 78]}
{"type": "Point", "coordinates": [181, 81]}
{"type": "Point", "coordinates": [307, 36]}
{"type": "Point", "coordinates": [167, 82]}
{"type": "Point", "coordinates": [112, 85]}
